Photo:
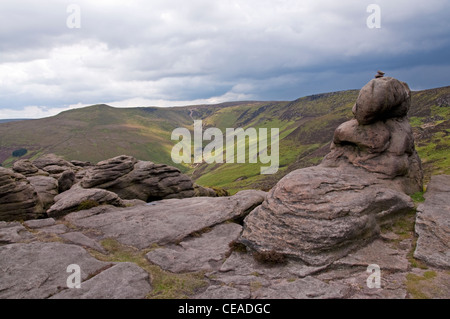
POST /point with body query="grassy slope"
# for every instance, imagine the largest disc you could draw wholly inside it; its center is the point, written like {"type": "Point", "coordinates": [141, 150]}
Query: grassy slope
{"type": "Point", "coordinates": [306, 129]}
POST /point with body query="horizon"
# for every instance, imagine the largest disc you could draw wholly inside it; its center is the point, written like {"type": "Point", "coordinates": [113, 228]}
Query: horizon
{"type": "Point", "coordinates": [2, 120]}
{"type": "Point", "coordinates": [58, 55]}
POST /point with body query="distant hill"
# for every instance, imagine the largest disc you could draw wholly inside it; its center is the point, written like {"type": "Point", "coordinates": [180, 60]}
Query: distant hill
{"type": "Point", "coordinates": [11, 120]}
{"type": "Point", "coordinates": [306, 128]}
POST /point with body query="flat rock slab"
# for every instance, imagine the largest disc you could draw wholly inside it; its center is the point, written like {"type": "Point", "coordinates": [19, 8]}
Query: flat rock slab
{"type": "Point", "coordinates": [433, 224]}
{"type": "Point", "coordinates": [197, 254]}
{"type": "Point", "coordinates": [304, 288]}
{"type": "Point", "coordinates": [122, 281]}
{"type": "Point", "coordinates": [242, 269]}
{"type": "Point", "coordinates": [225, 292]}
{"type": "Point", "coordinates": [39, 270]}
{"type": "Point", "coordinates": [378, 253]}
{"type": "Point", "coordinates": [55, 229]}
{"type": "Point", "coordinates": [167, 221]}
{"type": "Point", "coordinates": [73, 200]}
{"type": "Point", "coordinates": [78, 238]}
{"type": "Point", "coordinates": [14, 232]}
{"type": "Point", "coordinates": [39, 223]}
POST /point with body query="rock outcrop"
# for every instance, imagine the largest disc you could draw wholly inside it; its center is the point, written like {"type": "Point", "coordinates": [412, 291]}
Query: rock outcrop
{"type": "Point", "coordinates": [26, 168]}
{"type": "Point", "coordinates": [433, 224]}
{"type": "Point", "coordinates": [18, 198]}
{"type": "Point", "coordinates": [78, 198]}
{"type": "Point", "coordinates": [321, 214]}
{"type": "Point", "coordinates": [54, 186]}
{"type": "Point", "coordinates": [133, 179]}
{"type": "Point", "coordinates": [54, 165]}
{"type": "Point", "coordinates": [46, 188]}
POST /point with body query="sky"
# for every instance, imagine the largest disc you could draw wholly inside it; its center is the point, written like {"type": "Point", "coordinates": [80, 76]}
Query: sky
{"type": "Point", "coordinates": [57, 55]}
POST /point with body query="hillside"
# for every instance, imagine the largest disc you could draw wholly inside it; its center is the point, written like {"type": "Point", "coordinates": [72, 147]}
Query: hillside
{"type": "Point", "coordinates": [306, 128]}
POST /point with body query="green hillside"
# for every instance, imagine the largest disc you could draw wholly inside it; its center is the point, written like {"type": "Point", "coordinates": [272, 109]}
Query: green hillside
{"type": "Point", "coordinates": [306, 128]}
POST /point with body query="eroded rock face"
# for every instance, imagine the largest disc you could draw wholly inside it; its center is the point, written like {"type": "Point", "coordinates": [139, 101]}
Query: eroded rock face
{"type": "Point", "coordinates": [433, 224]}
{"type": "Point", "coordinates": [133, 179]}
{"type": "Point", "coordinates": [18, 198]}
{"type": "Point", "coordinates": [384, 147]}
{"type": "Point", "coordinates": [320, 214]}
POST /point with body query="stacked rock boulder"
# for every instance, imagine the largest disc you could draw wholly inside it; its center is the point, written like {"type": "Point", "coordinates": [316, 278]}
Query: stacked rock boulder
{"type": "Point", "coordinates": [320, 214]}
{"type": "Point", "coordinates": [380, 138]}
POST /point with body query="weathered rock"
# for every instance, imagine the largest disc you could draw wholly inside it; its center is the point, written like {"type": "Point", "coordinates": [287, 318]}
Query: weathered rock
{"type": "Point", "coordinates": [40, 223]}
{"type": "Point", "coordinates": [51, 160]}
{"type": "Point", "coordinates": [122, 281]}
{"type": "Point", "coordinates": [372, 138]}
{"type": "Point", "coordinates": [305, 288]}
{"type": "Point", "coordinates": [55, 165]}
{"type": "Point", "coordinates": [376, 253]}
{"type": "Point", "coordinates": [133, 179]}
{"type": "Point", "coordinates": [167, 221]}
{"type": "Point", "coordinates": [75, 199]}
{"type": "Point", "coordinates": [381, 99]}
{"type": "Point", "coordinates": [197, 254]}
{"type": "Point", "coordinates": [18, 199]}
{"type": "Point", "coordinates": [433, 223]}
{"type": "Point", "coordinates": [66, 181]}
{"type": "Point", "coordinates": [54, 230]}
{"type": "Point", "coordinates": [14, 233]}
{"type": "Point", "coordinates": [105, 173]}
{"type": "Point", "coordinates": [81, 163]}
{"type": "Point", "coordinates": [204, 191]}
{"type": "Point", "coordinates": [320, 214]}
{"type": "Point", "coordinates": [392, 286]}
{"type": "Point", "coordinates": [224, 292]}
{"type": "Point", "coordinates": [39, 270]}
{"type": "Point", "coordinates": [46, 188]}
{"type": "Point", "coordinates": [80, 239]}
{"type": "Point", "coordinates": [244, 267]}
{"type": "Point", "coordinates": [25, 167]}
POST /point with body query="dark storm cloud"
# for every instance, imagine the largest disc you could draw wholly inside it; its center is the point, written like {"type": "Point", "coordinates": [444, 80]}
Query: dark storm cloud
{"type": "Point", "coordinates": [175, 52]}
